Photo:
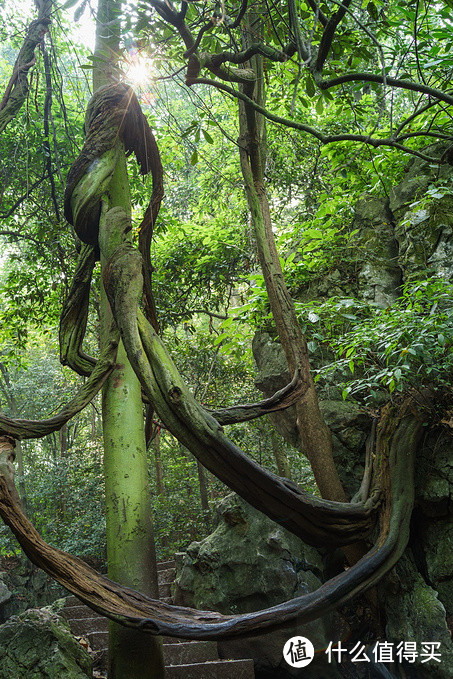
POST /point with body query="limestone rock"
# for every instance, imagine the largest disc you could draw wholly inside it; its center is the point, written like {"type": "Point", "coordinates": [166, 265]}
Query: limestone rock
{"type": "Point", "coordinates": [350, 425]}
{"type": "Point", "coordinates": [414, 613]}
{"type": "Point", "coordinates": [425, 238]}
{"type": "Point", "coordinates": [434, 474]}
{"type": "Point", "coordinates": [247, 564]}
{"type": "Point", "coordinates": [5, 594]}
{"type": "Point", "coordinates": [380, 276]}
{"type": "Point", "coordinates": [348, 422]}
{"type": "Point", "coordinates": [273, 375]}
{"type": "Point", "coordinates": [437, 538]}
{"type": "Point", "coordinates": [30, 587]}
{"type": "Point", "coordinates": [38, 645]}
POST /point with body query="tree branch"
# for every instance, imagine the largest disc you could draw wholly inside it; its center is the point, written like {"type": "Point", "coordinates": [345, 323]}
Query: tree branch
{"type": "Point", "coordinates": [323, 138]}
{"type": "Point", "coordinates": [328, 35]}
{"type": "Point", "coordinates": [19, 201]}
{"type": "Point", "coordinates": [394, 82]}
{"type": "Point", "coordinates": [318, 12]}
{"type": "Point", "coordinates": [241, 14]}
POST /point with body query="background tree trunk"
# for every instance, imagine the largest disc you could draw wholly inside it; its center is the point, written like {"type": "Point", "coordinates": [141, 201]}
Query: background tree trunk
{"type": "Point", "coordinates": [314, 434]}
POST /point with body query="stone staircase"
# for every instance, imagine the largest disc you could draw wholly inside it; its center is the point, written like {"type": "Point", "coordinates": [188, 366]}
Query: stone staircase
{"type": "Point", "coordinates": [183, 659]}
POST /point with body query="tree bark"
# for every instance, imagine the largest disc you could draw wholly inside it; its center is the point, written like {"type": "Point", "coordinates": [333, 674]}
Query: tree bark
{"type": "Point", "coordinates": [203, 494]}
{"type": "Point", "coordinates": [280, 457]}
{"type": "Point", "coordinates": [131, 554]}
{"type": "Point", "coordinates": [314, 434]}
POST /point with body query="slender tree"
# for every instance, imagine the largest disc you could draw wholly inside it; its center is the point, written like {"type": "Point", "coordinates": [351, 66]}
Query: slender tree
{"type": "Point", "coordinates": [131, 553]}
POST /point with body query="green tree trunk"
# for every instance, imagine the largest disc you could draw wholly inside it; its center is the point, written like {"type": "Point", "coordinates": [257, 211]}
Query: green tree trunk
{"type": "Point", "coordinates": [130, 542]}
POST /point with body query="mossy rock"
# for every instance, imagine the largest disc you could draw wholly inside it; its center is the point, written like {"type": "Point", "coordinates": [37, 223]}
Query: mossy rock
{"type": "Point", "coordinates": [414, 613]}
{"type": "Point", "coordinates": [39, 645]}
{"type": "Point", "coordinates": [249, 563]}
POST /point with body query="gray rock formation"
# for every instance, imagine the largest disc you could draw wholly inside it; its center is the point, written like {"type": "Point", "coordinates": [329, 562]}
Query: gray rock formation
{"type": "Point", "coordinates": [38, 645]}
{"type": "Point", "coordinates": [273, 375]}
{"type": "Point", "coordinates": [29, 587]}
{"type": "Point", "coordinates": [246, 564]}
{"type": "Point", "coordinates": [380, 276]}
{"type": "Point", "coordinates": [5, 594]}
{"type": "Point", "coordinates": [415, 614]}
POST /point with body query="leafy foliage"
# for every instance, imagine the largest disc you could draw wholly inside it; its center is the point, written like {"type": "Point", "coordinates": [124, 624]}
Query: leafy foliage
{"type": "Point", "coordinates": [377, 350]}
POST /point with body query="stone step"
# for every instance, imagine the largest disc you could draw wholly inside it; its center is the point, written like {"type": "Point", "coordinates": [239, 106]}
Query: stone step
{"type": "Point", "coordinates": [183, 659]}
{"type": "Point", "coordinates": [166, 575]}
{"type": "Point", "coordinates": [190, 652]}
{"type": "Point", "coordinates": [163, 565]}
{"type": "Point", "coordinates": [81, 627]}
{"type": "Point", "coordinates": [173, 640]}
{"type": "Point", "coordinates": [78, 612]}
{"type": "Point", "coordinates": [99, 641]}
{"type": "Point", "coordinates": [165, 590]}
{"type": "Point", "coordinates": [220, 669]}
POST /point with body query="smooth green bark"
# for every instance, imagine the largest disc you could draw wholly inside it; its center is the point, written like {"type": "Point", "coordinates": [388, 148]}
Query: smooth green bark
{"type": "Point", "coordinates": [130, 542]}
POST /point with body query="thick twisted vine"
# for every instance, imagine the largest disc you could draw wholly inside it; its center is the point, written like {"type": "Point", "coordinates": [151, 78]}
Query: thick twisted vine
{"type": "Point", "coordinates": [74, 315]}
{"type": "Point", "coordinates": [318, 522]}
{"type": "Point", "coordinates": [397, 438]}
{"type": "Point", "coordinates": [35, 429]}
{"type": "Point", "coordinates": [314, 520]}
{"type": "Point", "coordinates": [17, 89]}
{"type": "Point", "coordinates": [113, 118]}
{"type": "Point", "coordinates": [393, 477]}
{"type": "Point", "coordinates": [283, 398]}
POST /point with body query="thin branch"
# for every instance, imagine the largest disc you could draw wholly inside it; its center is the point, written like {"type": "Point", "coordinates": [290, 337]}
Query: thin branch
{"type": "Point", "coordinates": [207, 27]}
{"type": "Point", "coordinates": [241, 14]}
{"type": "Point", "coordinates": [21, 236]}
{"type": "Point", "coordinates": [20, 200]}
{"type": "Point", "coordinates": [47, 117]}
{"type": "Point", "coordinates": [436, 135]}
{"type": "Point", "coordinates": [394, 82]}
{"type": "Point", "coordinates": [328, 35]}
{"type": "Point", "coordinates": [318, 12]}
{"type": "Point", "coordinates": [414, 115]}
{"type": "Point", "coordinates": [325, 139]}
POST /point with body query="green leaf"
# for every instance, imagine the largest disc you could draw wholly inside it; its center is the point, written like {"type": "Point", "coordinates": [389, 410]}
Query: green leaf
{"type": "Point", "coordinates": [69, 3]}
{"type": "Point", "coordinates": [372, 11]}
{"type": "Point", "coordinates": [142, 23]}
{"type": "Point", "coordinates": [194, 158]}
{"type": "Point", "coordinates": [208, 137]}
{"type": "Point", "coordinates": [310, 86]}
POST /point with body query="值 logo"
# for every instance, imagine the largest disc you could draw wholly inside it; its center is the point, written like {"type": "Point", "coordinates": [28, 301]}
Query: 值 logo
{"type": "Point", "coordinates": [298, 651]}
